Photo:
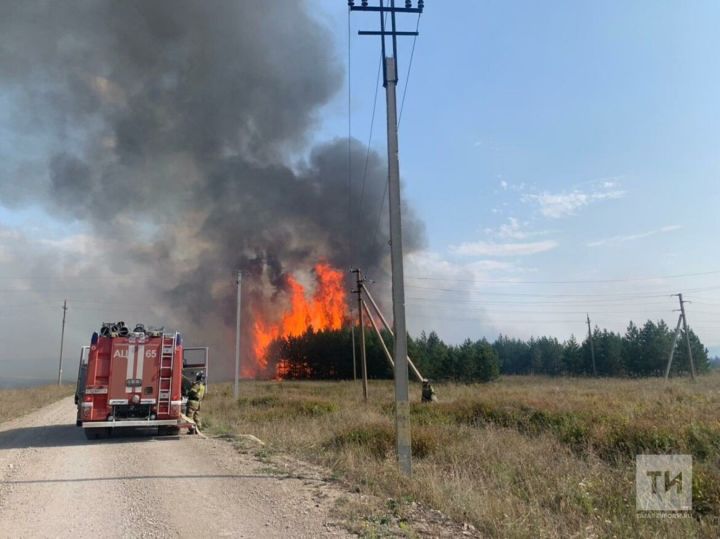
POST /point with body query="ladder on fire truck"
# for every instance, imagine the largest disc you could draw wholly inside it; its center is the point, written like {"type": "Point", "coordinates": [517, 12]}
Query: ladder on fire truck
{"type": "Point", "coordinates": [167, 357]}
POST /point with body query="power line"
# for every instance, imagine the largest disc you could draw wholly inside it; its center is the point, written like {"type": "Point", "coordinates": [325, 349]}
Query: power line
{"type": "Point", "coordinates": [51, 277]}
{"type": "Point", "coordinates": [638, 311]}
{"type": "Point", "coordinates": [477, 295]}
{"type": "Point", "coordinates": [402, 106]}
{"type": "Point", "coordinates": [525, 294]}
{"type": "Point", "coordinates": [489, 320]}
{"type": "Point", "coordinates": [60, 290]}
{"type": "Point", "coordinates": [520, 302]}
{"type": "Point", "coordinates": [382, 207]}
{"type": "Point", "coordinates": [372, 125]}
{"type": "Point", "coordinates": [579, 320]}
{"type": "Point", "coordinates": [581, 281]}
{"type": "Point", "coordinates": [349, 142]}
{"type": "Point", "coordinates": [407, 76]}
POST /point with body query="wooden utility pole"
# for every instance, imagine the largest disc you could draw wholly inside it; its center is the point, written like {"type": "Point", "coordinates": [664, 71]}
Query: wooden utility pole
{"type": "Point", "coordinates": [390, 79]}
{"type": "Point", "coordinates": [592, 346]}
{"type": "Point", "coordinates": [374, 305]}
{"type": "Point", "coordinates": [388, 355]}
{"type": "Point", "coordinates": [62, 342]}
{"type": "Point", "coordinates": [363, 358]}
{"type": "Point", "coordinates": [236, 389]}
{"type": "Point", "coordinates": [352, 335]}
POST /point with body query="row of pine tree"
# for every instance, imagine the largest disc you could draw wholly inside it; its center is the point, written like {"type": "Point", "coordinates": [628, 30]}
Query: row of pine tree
{"type": "Point", "coordinates": [640, 351]}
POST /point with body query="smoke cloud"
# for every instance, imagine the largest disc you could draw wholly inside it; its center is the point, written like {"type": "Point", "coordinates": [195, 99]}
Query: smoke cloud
{"type": "Point", "coordinates": [172, 130]}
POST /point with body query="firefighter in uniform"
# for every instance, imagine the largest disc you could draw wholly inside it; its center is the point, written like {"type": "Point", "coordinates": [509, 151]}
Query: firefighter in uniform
{"type": "Point", "coordinates": [428, 392]}
{"type": "Point", "coordinates": [195, 396]}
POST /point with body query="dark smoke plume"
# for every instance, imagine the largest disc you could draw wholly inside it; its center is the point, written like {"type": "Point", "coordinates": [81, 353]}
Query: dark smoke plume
{"type": "Point", "coordinates": [172, 128]}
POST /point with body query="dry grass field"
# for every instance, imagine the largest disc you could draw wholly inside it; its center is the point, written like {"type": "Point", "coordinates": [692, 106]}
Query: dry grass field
{"type": "Point", "coordinates": [18, 402]}
{"type": "Point", "coordinates": [521, 457]}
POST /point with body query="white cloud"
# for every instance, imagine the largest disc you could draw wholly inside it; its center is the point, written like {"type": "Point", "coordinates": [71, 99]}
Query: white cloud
{"type": "Point", "coordinates": [557, 205]}
{"type": "Point", "coordinates": [513, 229]}
{"type": "Point", "coordinates": [486, 248]}
{"type": "Point", "coordinates": [514, 187]}
{"type": "Point", "coordinates": [491, 265]}
{"type": "Point", "coordinates": [614, 240]}
{"type": "Point", "coordinates": [436, 266]}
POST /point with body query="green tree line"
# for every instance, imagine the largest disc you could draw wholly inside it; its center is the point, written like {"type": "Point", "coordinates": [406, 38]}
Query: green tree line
{"type": "Point", "coordinates": [640, 351]}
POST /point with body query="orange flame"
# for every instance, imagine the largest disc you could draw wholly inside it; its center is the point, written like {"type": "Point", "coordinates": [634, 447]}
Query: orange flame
{"type": "Point", "coordinates": [326, 309]}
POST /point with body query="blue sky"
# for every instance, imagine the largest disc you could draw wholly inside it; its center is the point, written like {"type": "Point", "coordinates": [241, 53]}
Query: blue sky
{"type": "Point", "coordinates": [563, 156]}
{"type": "Point", "coordinates": [562, 141]}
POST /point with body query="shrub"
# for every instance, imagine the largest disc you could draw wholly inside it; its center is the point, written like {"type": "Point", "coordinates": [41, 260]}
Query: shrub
{"type": "Point", "coordinates": [379, 440]}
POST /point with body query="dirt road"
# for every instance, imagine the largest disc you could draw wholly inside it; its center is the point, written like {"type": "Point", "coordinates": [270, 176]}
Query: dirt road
{"type": "Point", "coordinates": [55, 483]}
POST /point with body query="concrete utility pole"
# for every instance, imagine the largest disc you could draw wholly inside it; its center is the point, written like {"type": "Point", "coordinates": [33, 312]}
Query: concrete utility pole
{"type": "Point", "coordinates": [402, 397]}
{"type": "Point", "coordinates": [62, 341]}
{"type": "Point", "coordinates": [687, 335]}
{"type": "Point", "coordinates": [236, 391]}
{"type": "Point", "coordinates": [363, 358]}
{"type": "Point", "coordinates": [592, 346]}
{"type": "Point", "coordinates": [390, 79]}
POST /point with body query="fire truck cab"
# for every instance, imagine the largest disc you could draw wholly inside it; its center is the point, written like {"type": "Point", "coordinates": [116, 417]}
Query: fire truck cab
{"type": "Point", "coordinates": [131, 379]}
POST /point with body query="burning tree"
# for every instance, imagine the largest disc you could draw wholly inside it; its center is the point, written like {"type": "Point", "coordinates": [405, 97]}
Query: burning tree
{"type": "Point", "coordinates": [325, 308]}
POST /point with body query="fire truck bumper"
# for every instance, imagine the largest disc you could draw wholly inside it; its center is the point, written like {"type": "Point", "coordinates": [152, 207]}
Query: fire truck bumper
{"type": "Point", "coordinates": [133, 423]}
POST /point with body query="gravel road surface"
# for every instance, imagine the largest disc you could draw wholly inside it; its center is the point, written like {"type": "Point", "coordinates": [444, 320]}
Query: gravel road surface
{"type": "Point", "coordinates": [55, 483]}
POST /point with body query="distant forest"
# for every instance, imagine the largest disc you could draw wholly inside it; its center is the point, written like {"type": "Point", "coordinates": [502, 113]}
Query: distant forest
{"type": "Point", "coordinates": [640, 351]}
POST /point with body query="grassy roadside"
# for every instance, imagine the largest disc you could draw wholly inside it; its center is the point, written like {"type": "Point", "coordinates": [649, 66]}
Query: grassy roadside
{"type": "Point", "coordinates": [18, 402]}
{"type": "Point", "coordinates": [523, 457]}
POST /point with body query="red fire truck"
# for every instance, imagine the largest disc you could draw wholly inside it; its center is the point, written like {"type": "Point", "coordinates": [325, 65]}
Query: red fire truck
{"type": "Point", "coordinates": [131, 379]}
